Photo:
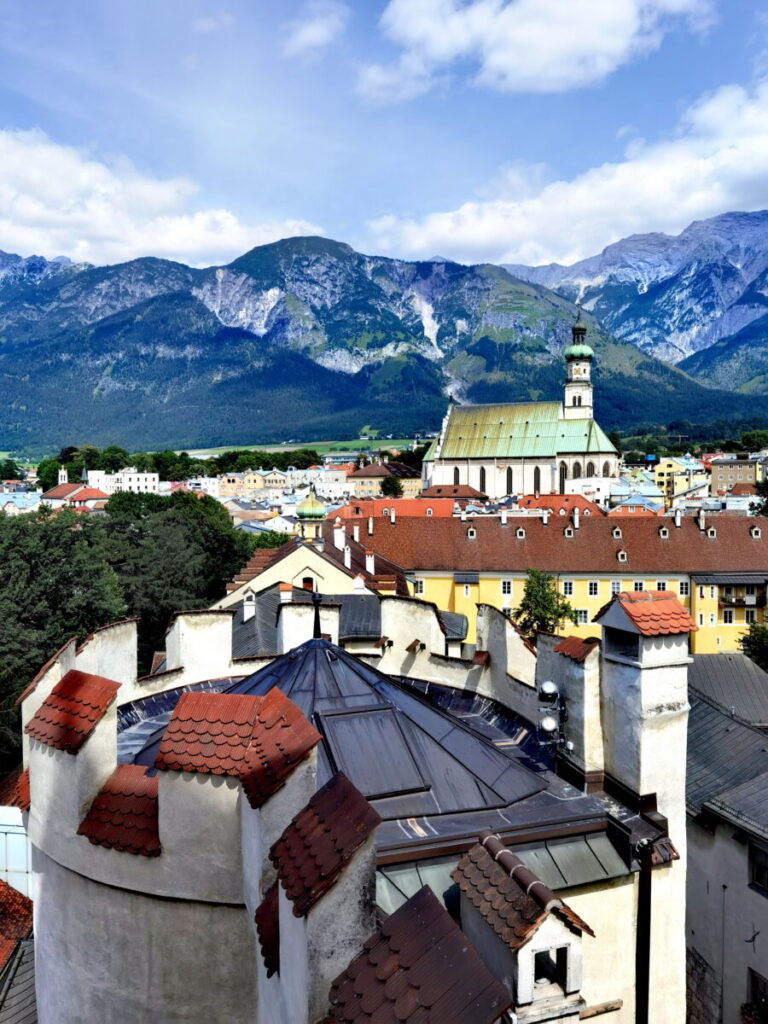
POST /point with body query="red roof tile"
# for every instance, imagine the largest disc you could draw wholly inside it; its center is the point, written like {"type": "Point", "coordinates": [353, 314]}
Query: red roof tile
{"type": "Point", "coordinates": [418, 968]}
{"type": "Point", "coordinates": [14, 790]}
{"type": "Point", "coordinates": [281, 738]}
{"type": "Point", "coordinates": [62, 491]}
{"type": "Point", "coordinates": [268, 928]}
{"type": "Point", "coordinates": [124, 814]}
{"type": "Point", "coordinates": [452, 491]}
{"type": "Point", "coordinates": [15, 920]}
{"type": "Point", "coordinates": [321, 839]}
{"type": "Point", "coordinates": [558, 503]}
{"type": "Point", "coordinates": [384, 506]}
{"type": "Point", "coordinates": [382, 469]}
{"type": "Point", "coordinates": [511, 899]}
{"type": "Point", "coordinates": [72, 710]}
{"type": "Point", "coordinates": [575, 648]}
{"type": "Point", "coordinates": [208, 733]}
{"type": "Point", "coordinates": [88, 494]}
{"type": "Point", "coordinates": [654, 612]}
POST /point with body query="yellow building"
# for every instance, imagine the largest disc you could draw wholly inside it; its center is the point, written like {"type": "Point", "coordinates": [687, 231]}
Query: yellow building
{"type": "Point", "coordinates": [717, 567]}
{"type": "Point", "coordinates": [729, 470]}
{"type": "Point", "coordinates": [674, 476]}
{"type": "Point", "coordinates": [367, 480]}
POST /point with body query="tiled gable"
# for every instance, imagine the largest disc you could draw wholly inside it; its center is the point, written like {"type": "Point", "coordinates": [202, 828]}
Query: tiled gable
{"type": "Point", "coordinates": [656, 612]}
{"type": "Point", "coordinates": [70, 713]}
{"type": "Point", "coordinates": [268, 929]}
{"type": "Point", "coordinates": [321, 839]}
{"type": "Point", "coordinates": [14, 790]}
{"type": "Point", "coordinates": [575, 648]}
{"type": "Point", "coordinates": [418, 968]}
{"type": "Point", "coordinates": [15, 920]}
{"type": "Point", "coordinates": [124, 814]}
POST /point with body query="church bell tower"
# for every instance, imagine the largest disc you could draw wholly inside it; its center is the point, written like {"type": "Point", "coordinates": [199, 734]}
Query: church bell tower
{"type": "Point", "coordinates": [577, 399]}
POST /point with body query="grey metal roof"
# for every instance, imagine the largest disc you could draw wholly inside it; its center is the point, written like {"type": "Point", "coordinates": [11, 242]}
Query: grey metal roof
{"type": "Point", "coordinates": [455, 625]}
{"type": "Point", "coordinates": [733, 681]}
{"type": "Point", "coordinates": [745, 805]}
{"type": "Point", "coordinates": [730, 578]}
{"type": "Point", "coordinates": [18, 1002]}
{"type": "Point", "coordinates": [724, 752]}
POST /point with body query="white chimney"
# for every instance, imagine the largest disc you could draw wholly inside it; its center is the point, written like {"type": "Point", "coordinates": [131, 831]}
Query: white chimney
{"type": "Point", "coordinates": [370, 563]}
{"type": "Point", "coordinates": [347, 556]}
{"type": "Point", "coordinates": [503, 517]}
{"type": "Point", "coordinates": [392, 517]}
{"type": "Point", "coordinates": [702, 520]}
{"type": "Point", "coordinates": [286, 593]}
{"type": "Point", "coordinates": [359, 582]}
{"type": "Point", "coordinates": [249, 607]}
{"type": "Point", "coordinates": [678, 517]}
{"type": "Point", "coordinates": [545, 516]}
{"type": "Point", "coordinates": [339, 536]}
{"type": "Point", "coordinates": [370, 526]}
{"type": "Point", "coordinates": [356, 533]}
{"type": "Point", "coordinates": [575, 518]}
{"type": "Point", "coordinates": [463, 515]}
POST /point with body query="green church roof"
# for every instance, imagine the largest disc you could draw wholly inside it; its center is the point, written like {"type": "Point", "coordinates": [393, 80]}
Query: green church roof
{"type": "Point", "coordinates": [524, 430]}
{"type": "Point", "coordinates": [311, 508]}
{"type": "Point", "coordinates": [579, 351]}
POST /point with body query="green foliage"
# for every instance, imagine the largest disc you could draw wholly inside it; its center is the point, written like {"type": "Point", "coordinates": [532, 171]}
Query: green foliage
{"type": "Point", "coordinates": [9, 470]}
{"type": "Point", "coordinates": [269, 539]}
{"type": "Point", "coordinates": [543, 609]}
{"type": "Point", "coordinates": [760, 507]}
{"type": "Point", "coordinates": [413, 457]}
{"type": "Point", "coordinates": [754, 440]}
{"type": "Point", "coordinates": [754, 643]}
{"type": "Point", "coordinates": [391, 487]}
{"type": "Point", "coordinates": [48, 473]}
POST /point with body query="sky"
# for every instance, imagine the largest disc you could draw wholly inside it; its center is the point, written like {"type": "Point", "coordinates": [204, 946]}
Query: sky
{"type": "Point", "coordinates": [505, 131]}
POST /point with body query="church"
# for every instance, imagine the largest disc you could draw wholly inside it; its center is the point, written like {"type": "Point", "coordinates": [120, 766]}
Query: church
{"type": "Point", "coordinates": [528, 447]}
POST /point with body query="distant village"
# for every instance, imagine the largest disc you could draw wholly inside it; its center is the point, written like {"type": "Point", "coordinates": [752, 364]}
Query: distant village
{"type": "Point", "coordinates": [356, 788]}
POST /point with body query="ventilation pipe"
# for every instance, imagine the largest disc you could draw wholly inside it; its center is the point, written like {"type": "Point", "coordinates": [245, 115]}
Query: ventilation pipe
{"type": "Point", "coordinates": [249, 607]}
{"type": "Point", "coordinates": [370, 526]}
{"type": "Point", "coordinates": [392, 517]}
{"type": "Point", "coordinates": [370, 563]}
{"type": "Point", "coordinates": [356, 533]}
{"type": "Point", "coordinates": [575, 518]}
{"type": "Point", "coordinates": [503, 517]}
{"type": "Point", "coordinates": [347, 557]}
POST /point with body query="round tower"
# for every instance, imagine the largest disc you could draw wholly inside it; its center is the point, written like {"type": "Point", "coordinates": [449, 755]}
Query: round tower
{"type": "Point", "coordinates": [577, 398]}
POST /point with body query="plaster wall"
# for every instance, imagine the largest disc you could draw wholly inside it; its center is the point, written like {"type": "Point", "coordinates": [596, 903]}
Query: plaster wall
{"type": "Point", "coordinates": [608, 959]}
{"type": "Point", "coordinates": [60, 664]}
{"type": "Point", "coordinates": [111, 652]}
{"type": "Point", "coordinates": [510, 656]}
{"type": "Point", "coordinates": [305, 561]}
{"type": "Point", "coordinates": [579, 683]}
{"type": "Point", "coordinates": [724, 911]}
{"type": "Point", "coordinates": [296, 624]}
{"type": "Point", "coordinates": [668, 966]}
{"type": "Point", "coordinates": [116, 957]}
{"type": "Point", "coordinates": [404, 620]}
{"type": "Point", "coordinates": [202, 640]}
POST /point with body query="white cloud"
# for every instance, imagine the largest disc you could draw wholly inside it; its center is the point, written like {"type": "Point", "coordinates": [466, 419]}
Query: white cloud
{"type": "Point", "coordinates": [716, 162]}
{"type": "Point", "coordinates": [318, 25]}
{"type": "Point", "coordinates": [213, 22]}
{"type": "Point", "coordinates": [56, 200]}
{"type": "Point", "coordinates": [520, 45]}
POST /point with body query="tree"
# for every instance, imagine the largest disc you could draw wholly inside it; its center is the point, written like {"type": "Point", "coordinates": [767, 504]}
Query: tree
{"type": "Point", "coordinates": [754, 643]}
{"type": "Point", "coordinates": [760, 507]}
{"type": "Point", "coordinates": [615, 438]}
{"type": "Point", "coordinates": [391, 487]}
{"type": "Point", "coordinates": [9, 470]}
{"type": "Point", "coordinates": [543, 609]}
{"type": "Point", "coordinates": [268, 539]}
{"type": "Point", "coordinates": [113, 458]}
{"type": "Point", "coordinates": [48, 473]}
{"type": "Point", "coordinates": [754, 440]}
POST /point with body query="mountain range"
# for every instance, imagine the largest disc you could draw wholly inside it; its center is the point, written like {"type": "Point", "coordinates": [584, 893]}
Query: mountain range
{"type": "Point", "coordinates": [307, 338]}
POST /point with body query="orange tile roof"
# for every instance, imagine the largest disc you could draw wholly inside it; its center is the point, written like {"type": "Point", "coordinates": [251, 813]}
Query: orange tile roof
{"type": "Point", "coordinates": [321, 839]}
{"type": "Point", "coordinates": [575, 648]}
{"type": "Point", "coordinates": [72, 710]}
{"type": "Point", "coordinates": [656, 612]}
{"type": "Point", "coordinates": [15, 920]}
{"type": "Point", "coordinates": [267, 919]}
{"type": "Point", "coordinates": [14, 790]}
{"type": "Point", "coordinates": [63, 490]}
{"type": "Point", "coordinates": [124, 814]}
{"type": "Point", "coordinates": [558, 502]}
{"type": "Point", "coordinates": [401, 506]}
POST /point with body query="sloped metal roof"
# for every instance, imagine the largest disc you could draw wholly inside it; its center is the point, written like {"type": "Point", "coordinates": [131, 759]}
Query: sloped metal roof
{"type": "Point", "coordinates": [18, 1000]}
{"type": "Point", "coordinates": [518, 431]}
{"type": "Point", "coordinates": [733, 681]}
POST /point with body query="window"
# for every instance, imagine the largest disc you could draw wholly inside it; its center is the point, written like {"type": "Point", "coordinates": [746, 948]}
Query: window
{"type": "Point", "coordinates": [711, 618]}
{"type": "Point", "coordinates": [590, 469]}
{"type": "Point", "coordinates": [622, 556]}
{"type": "Point", "coordinates": [536, 480]}
{"type": "Point", "coordinates": [550, 967]}
{"type": "Point", "coordinates": [727, 616]}
{"type": "Point", "coordinates": [684, 588]}
{"type": "Point", "coordinates": [749, 616]}
{"type": "Point", "coordinates": [506, 587]}
{"type": "Point", "coordinates": [568, 588]}
{"type": "Point", "coordinates": [638, 585]}
{"type": "Point", "coordinates": [429, 511]}
{"type": "Point", "coordinates": [616, 533]}
{"type": "Point", "coordinates": [455, 478]}
{"type": "Point", "coordinates": [582, 616]}
{"type": "Point", "coordinates": [482, 479]}
{"type": "Point", "coordinates": [755, 532]}
{"type": "Point", "coordinates": [664, 533]}
{"type": "Point", "coordinates": [418, 587]}
{"type": "Point", "coordinates": [701, 591]}
{"type": "Point", "coordinates": [757, 988]}
{"type": "Point", "coordinates": [568, 531]}
{"type": "Point", "coordinates": [701, 618]}
{"type": "Point", "coordinates": [471, 533]}
{"type": "Point", "coordinates": [520, 533]}
{"type": "Point", "coordinates": [308, 583]}
{"type": "Point", "coordinates": [593, 588]}
{"type": "Point", "coordinates": [712, 593]}
{"type": "Point", "coordinates": [576, 470]}
{"type": "Point", "coordinates": [509, 479]}
{"type": "Point", "coordinates": [615, 586]}
{"type": "Point", "coordinates": [749, 590]}
{"type": "Point", "coordinates": [466, 590]}
{"type": "Point", "coordinates": [661, 584]}
{"type": "Point", "coordinates": [758, 867]}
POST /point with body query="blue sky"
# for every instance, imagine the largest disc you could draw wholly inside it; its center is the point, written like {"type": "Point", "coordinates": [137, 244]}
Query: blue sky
{"type": "Point", "coordinates": [500, 130]}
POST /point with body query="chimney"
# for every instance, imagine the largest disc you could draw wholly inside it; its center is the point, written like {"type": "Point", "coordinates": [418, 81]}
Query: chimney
{"type": "Point", "coordinates": [503, 517]}
{"type": "Point", "coordinates": [370, 563]}
{"type": "Point", "coordinates": [339, 537]}
{"type": "Point", "coordinates": [463, 515]}
{"type": "Point", "coordinates": [678, 517]}
{"type": "Point", "coordinates": [392, 517]}
{"type": "Point", "coordinates": [356, 533]}
{"type": "Point", "coordinates": [347, 557]}
{"type": "Point", "coordinates": [575, 518]}
{"type": "Point", "coordinates": [545, 516]}
{"type": "Point", "coordinates": [249, 606]}
{"type": "Point", "coordinates": [702, 520]}
{"type": "Point", "coordinates": [359, 582]}
{"type": "Point", "coordinates": [320, 543]}
{"type": "Point", "coordinates": [370, 526]}
{"type": "Point", "coordinates": [286, 593]}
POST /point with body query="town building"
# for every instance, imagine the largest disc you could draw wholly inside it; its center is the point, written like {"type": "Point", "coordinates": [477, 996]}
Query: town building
{"type": "Point", "coordinates": [718, 567]}
{"type": "Point", "coordinates": [529, 447]}
{"type": "Point", "coordinates": [678, 475]}
{"type": "Point", "coordinates": [728, 470]}
{"type": "Point", "coordinates": [366, 482]}
{"type": "Point", "coordinates": [127, 479]}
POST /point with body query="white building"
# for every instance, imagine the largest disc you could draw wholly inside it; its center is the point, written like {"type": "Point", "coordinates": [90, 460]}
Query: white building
{"type": "Point", "coordinates": [127, 479]}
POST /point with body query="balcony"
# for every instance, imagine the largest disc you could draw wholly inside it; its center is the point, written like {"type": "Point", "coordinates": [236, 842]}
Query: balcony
{"type": "Point", "coordinates": [749, 601]}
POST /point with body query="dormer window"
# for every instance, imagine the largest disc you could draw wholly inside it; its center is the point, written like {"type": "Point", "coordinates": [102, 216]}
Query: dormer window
{"type": "Point", "coordinates": [712, 532]}
{"type": "Point", "coordinates": [568, 531]}
{"type": "Point", "coordinates": [429, 511]}
{"type": "Point", "coordinates": [471, 533]}
{"type": "Point", "coordinates": [664, 533]}
{"type": "Point", "coordinates": [622, 556]}
{"type": "Point", "coordinates": [520, 533]}
{"type": "Point", "coordinates": [616, 533]}
{"type": "Point", "coordinates": [755, 533]}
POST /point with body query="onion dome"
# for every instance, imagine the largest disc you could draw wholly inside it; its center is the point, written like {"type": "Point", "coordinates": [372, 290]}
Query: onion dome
{"type": "Point", "coordinates": [311, 507]}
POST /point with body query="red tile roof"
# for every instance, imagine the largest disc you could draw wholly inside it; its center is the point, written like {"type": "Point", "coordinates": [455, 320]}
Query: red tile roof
{"type": "Point", "coordinates": [442, 544]}
{"type": "Point", "coordinates": [14, 790]}
{"type": "Point", "coordinates": [72, 710]}
{"type": "Point", "coordinates": [560, 502]}
{"type": "Point", "coordinates": [418, 968]}
{"type": "Point", "coordinates": [258, 740]}
{"type": "Point", "coordinates": [281, 738]}
{"type": "Point", "coordinates": [124, 814]}
{"type": "Point", "coordinates": [741, 489]}
{"type": "Point", "coordinates": [15, 920]}
{"type": "Point", "coordinates": [268, 929]}
{"type": "Point", "coordinates": [321, 839]}
{"type": "Point", "coordinates": [89, 494]}
{"type": "Point", "coordinates": [654, 612]}
{"type": "Point", "coordinates": [511, 899]}
{"type": "Point", "coordinates": [452, 491]}
{"type": "Point", "coordinates": [62, 491]}
{"type": "Point", "coordinates": [381, 469]}
{"type": "Point", "coordinates": [382, 506]}
{"type": "Point", "coordinates": [575, 648]}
